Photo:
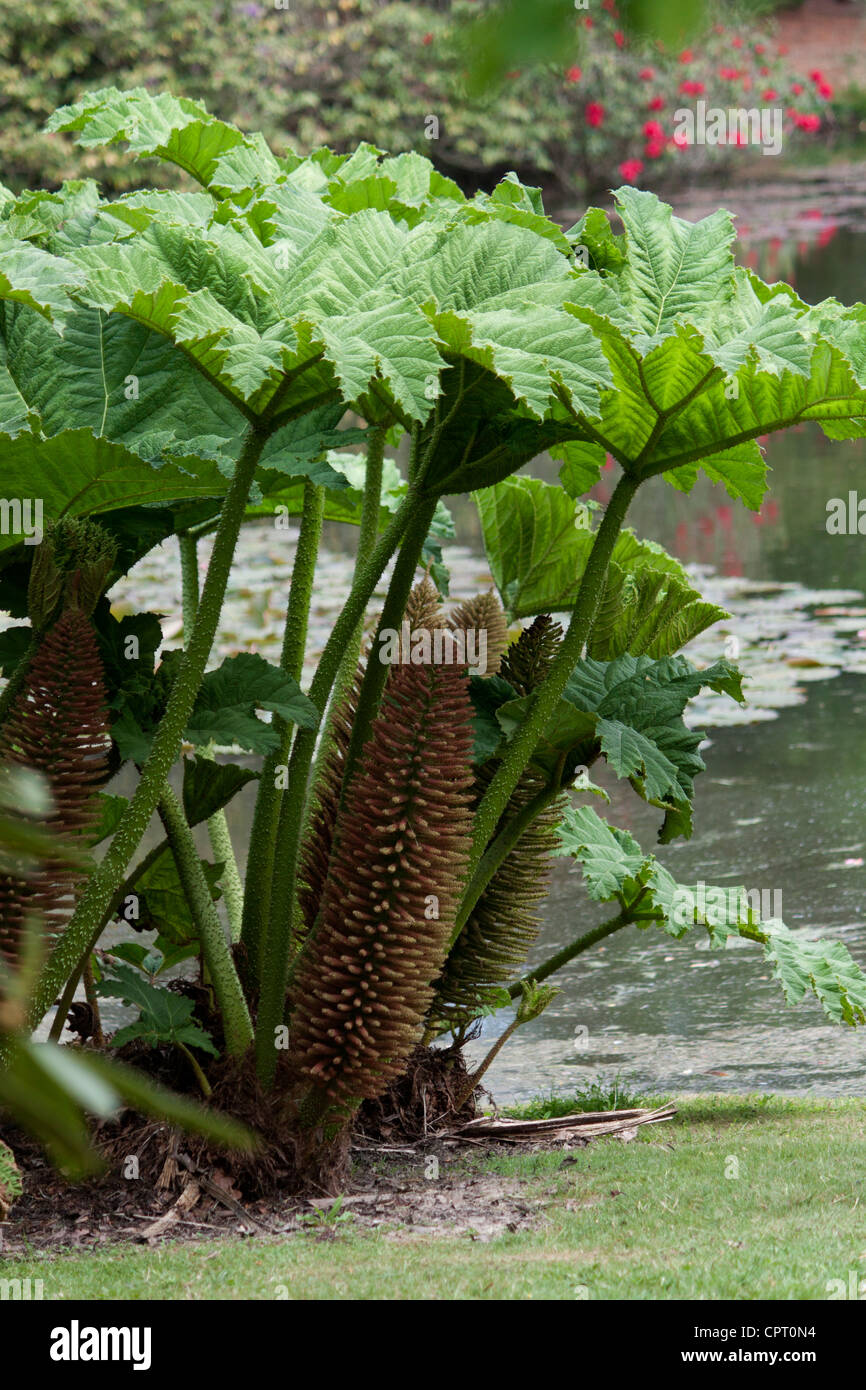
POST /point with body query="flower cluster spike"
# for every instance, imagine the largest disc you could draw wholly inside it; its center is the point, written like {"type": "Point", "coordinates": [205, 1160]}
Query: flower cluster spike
{"type": "Point", "coordinates": [527, 660]}
{"type": "Point", "coordinates": [58, 726]}
{"type": "Point", "coordinates": [493, 946]}
{"type": "Point", "coordinates": [315, 853]}
{"type": "Point", "coordinates": [423, 608]}
{"type": "Point", "coordinates": [394, 884]}
{"type": "Point", "coordinates": [69, 569]}
{"type": "Point", "coordinates": [422, 611]}
{"type": "Point", "coordinates": [479, 614]}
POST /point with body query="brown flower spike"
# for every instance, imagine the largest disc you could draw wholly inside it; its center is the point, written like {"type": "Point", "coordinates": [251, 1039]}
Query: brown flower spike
{"type": "Point", "coordinates": [484, 613]}
{"type": "Point", "coordinates": [493, 946]}
{"type": "Point", "coordinates": [57, 725]}
{"type": "Point", "coordinates": [394, 884]}
{"type": "Point", "coordinates": [422, 611]}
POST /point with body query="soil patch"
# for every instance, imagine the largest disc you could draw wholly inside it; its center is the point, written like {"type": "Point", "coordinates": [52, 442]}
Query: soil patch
{"type": "Point", "coordinates": [432, 1188]}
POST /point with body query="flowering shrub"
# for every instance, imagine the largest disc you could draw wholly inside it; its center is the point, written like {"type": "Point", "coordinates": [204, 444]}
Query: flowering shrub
{"type": "Point", "coordinates": [639, 134]}
{"type": "Point", "coordinates": [369, 70]}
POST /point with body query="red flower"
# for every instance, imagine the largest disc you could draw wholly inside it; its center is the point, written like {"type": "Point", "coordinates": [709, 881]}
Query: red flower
{"type": "Point", "coordinates": [738, 43]}
{"type": "Point", "coordinates": [654, 150]}
{"type": "Point", "coordinates": [646, 74]}
{"type": "Point", "coordinates": [808, 122]}
{"type": "Point", "coordinates": [759, 48]}
{"type": "Point", "coordinates": [816, 75]}
{"type": "Point", "coordinates": [763, 72]}
{"type": "Point", "coordinates": [686, 56]}
{"type": "Point", "coordinates": [729, 74]}
{"type": "Point", "coordinates": [783, 49]}
{"type": "Point", "coordinates": [588, 22]}
{"type": "Point", "coordinates": [691, 88]}
{"type": "Point", "coordinates": [630, 169]}
{"type": "Point", "coordinates": [796, 88]}
{"type": "Point", "coordinates": [769, 95]}
{"type": "Point", "coordinates": [656, 103]}
{"type": "Point", "coordinates": [428, 38]}
{"type": "Point", "coordinates": [653, 131]}
{"type": "Point", "coordinates": [573, 75]}
{"type": "Point", "coordinates": [594, 113]}
{"type": "Point", "coordinates": [825, 90]}
{"type": "Point", "coordinates": [619, 38]}
{"type": "Point", "coordinates": [680, 139]}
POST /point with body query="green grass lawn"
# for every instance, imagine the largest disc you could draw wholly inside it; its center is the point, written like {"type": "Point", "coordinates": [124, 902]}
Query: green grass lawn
{"type": "Point", "coordinates": [739, 1197]}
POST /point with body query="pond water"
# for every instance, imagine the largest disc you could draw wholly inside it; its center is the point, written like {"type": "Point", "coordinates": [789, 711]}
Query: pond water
{"type": "Point", "coordinates": [781, 806]}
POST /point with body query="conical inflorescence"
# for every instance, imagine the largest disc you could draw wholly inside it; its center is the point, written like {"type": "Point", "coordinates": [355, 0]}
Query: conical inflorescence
{"type": "Point", "coordinates": [493, 945]}
{"type": "Point", "coordinates": [483, 615]}
{"type": "Point", "coordinates": [58, 725]}
{"type": "Point", "coordinates": [394, 882]}
{"type": "Point", "coordinates": [422, 611]}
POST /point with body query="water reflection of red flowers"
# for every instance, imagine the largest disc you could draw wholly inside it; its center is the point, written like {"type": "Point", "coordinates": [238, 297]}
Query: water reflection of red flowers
{"type": "Point", "coordinates": [594, 113]}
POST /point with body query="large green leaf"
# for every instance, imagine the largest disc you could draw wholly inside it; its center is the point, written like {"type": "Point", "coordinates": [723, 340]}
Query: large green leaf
{"type": "Point", "coordinates": [165, 1017]}
{"type": "Point", "coordinates": [616, 869]}
{"type": "Point", "coordinates": [538, 539]}
{"type": "Point", "coordinates": [36, 278]}
{"type": "Point", "coordinates": [630, 712]}
{"type": "Point", "coordinates": [224, 710]}
{"type": "Point", "coordinates": [209, 786]}
{"type": "Point", "coordinates": [705, 357]}
{"type": "Point", "coordinates": [161, 900]}
{"type": "Point", "coordinates": [81, 475]}
{"type": "Point", "coordinates": [172, 128]}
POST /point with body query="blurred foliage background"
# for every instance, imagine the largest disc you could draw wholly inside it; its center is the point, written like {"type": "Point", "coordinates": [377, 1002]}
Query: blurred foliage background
{"type": "Point", "coordinates": [509, 82]}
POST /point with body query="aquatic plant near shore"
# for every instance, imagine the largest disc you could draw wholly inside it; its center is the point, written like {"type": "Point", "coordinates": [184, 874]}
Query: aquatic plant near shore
{"type": "Point", "coordinates": [246, 322]}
